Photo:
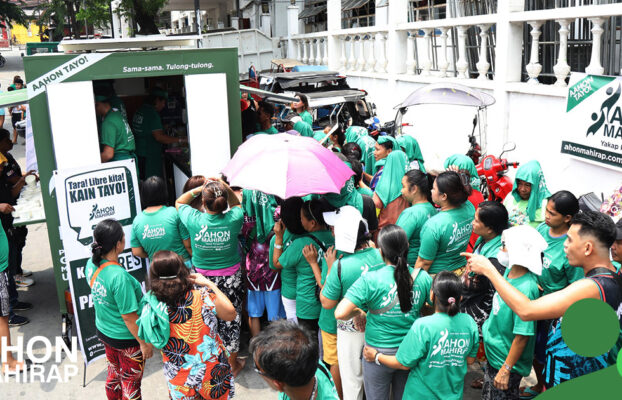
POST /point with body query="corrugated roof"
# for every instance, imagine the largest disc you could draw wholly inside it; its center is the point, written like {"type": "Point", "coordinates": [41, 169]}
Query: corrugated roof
{"type": "Point", "coordinates": [311, 11]}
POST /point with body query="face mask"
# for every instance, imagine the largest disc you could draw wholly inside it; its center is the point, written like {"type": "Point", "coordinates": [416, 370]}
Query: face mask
{"type": "Point", "coordinates": [504, 258]}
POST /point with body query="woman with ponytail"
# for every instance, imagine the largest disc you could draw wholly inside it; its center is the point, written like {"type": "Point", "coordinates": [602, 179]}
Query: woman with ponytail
{"type": "Point", "coordinates": [116, 298]}
{"type": "Point", "coordinates": [437, 348]}
{"type": "Point", "coordinates": [447, 234]}
{"type": "Point", "coordinates": [417, 190]}
{"type": "Point", "coordinates": [393, 296]}
{"type": "Point", "coordinates": [214, 239]}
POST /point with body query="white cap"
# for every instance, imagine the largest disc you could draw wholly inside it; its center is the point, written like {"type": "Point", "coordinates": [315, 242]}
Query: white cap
{"type": "Point", "coordinates": [296, 119]}
{"type": "Point", "coordinates": [346, 221]}
{"type": "Point", "coordinates": [525, 246]}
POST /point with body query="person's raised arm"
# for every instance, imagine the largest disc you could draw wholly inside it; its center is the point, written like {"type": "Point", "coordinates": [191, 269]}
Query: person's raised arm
{"type": "Point", "coordinates": [279, 229]}
{"type": "Point", "coordinates": [224, 307]}
{"type": "Point", "coordinates": [187, 197]}
{"type": "Point", "coordinates": [310, 254]}
{"type": "Point", "coordinates": [232, 197]}
{"type": "Point", "coordinates": [550, 306]}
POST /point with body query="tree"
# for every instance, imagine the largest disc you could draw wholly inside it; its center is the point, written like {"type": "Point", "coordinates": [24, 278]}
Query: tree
{"type": "Point", "coordinates": [12, 13]}
{"type": "Point", "coordinates": [143, 12]}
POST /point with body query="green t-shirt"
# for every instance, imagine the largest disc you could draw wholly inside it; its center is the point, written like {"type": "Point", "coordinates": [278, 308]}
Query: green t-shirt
{"type": "Point", "coordinates": [306, 117]}
{"type": "Point", "coordinates": [145, 121]}
{"type": "Point", "coordinates": [376, 290]}
{"type": "Point", "coordinates": [556, 272]}
{"type": "Point", "coordinates": [325, 385]}
{"type": "Point", "coordinates": [435, 349]}
{"type": "Point", "coordinates": [270, 131]}
{"type": "Point", "coordinates": [307, 304]}
{"type": "Point", "coordinates": [365, 191]}
{"type": "Point", "coordinates": [4, 250]}
{"type": "Point", "coordinates": [115, 292]}
{"type": "Point", "coordinates": [412, 220]}
{"type": "Point", "coordinates": [288, 276]}
{"type": "Point", "coordinates": [445, 236]}
{"type": "Point", "coordinates": [117, 134]}
{"type": "Point", "coordinates": [353, 266]}
{"type": "Point", "coordinates": [517, 212]}
{"type": "Point", "coordinates": [503, 324]}
{"type": "Point", "coordinates": [214, 238]}
{"type": "Point", "coordinates": [160, 230]}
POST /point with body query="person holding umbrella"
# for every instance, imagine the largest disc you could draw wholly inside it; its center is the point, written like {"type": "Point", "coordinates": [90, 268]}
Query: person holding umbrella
{"type": "Point", "coordinates": [214, 239]}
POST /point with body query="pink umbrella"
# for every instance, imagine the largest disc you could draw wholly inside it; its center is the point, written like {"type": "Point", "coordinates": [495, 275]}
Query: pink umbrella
{"type": "Point", "coordinates": [286, 166]}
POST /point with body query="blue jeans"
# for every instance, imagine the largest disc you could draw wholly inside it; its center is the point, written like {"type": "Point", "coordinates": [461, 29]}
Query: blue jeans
{"type": "Point", "coordinates": [380, 380]}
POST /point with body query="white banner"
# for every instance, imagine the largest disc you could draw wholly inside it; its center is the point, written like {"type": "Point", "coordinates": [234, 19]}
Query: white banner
{"type": "Point", "coordinates": [594, 120]}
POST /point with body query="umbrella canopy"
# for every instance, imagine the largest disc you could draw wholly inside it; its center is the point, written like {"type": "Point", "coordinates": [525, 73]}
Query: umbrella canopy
{"type": "Point", "coordinates": [286, 166]}
{"type": "Point", "coordinates": [450, 94]}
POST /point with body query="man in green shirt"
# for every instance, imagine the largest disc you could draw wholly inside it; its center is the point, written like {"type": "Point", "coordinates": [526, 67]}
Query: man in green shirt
{"type": "Point", "coordinates": [150, 136]}
{"type": "Point", "coordinates": [287, 358]}
{"type": "Point", "coordinates": [117, 140]}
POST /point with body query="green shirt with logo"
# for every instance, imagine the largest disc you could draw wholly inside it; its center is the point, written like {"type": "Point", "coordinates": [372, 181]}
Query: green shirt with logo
{"type": "Point", "coordinates": [115, 293]}
{"type": "Point", "coordinates": [353, 266]}
{"type": "Point", "coordinates": [288, 276]}
{"type": "Point", "coordinates": [503, 324]}
{"type": "Point", "coordinates": [213, 238]}
{"type": "Point", "coordinates": [377, 289]}
{"type": "Point", "coordinates": [117, 134]}
{"type": "Point", "coordinates": [160, 230]}
{"type": "Point", "coordinates": [4, 250]}
{"type": "Point", "coordinates": [435, 349]}
{"type": "Point", "coordinates": [412, 220]}
{"type": "Point", "coordinates": [147, 120]}
{"type": "Point", "coordinates": [556, 272]}
{"type": "Point", "coordinates": [445, 236]}
{"type": "Point", "coordinates": [307, 304]}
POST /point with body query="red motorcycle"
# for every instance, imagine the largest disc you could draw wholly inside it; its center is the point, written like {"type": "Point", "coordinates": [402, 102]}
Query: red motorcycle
{"type": "Point", "coordinates": [492, 171]}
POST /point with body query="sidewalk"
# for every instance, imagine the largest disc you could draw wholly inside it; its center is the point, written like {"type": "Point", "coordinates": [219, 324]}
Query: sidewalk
{"type": "Point", "coordinates": [46, 320]}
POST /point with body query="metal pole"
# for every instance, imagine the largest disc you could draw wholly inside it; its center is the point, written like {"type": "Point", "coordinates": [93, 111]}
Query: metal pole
{"type": "Point", "coordinates": [111, 19]}
{"type": "Point", "coordinates": [197, 22]}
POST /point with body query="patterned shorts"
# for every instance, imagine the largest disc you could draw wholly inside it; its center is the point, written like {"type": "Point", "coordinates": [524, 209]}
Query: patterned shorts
{"type": "Point", "coordinates": [233, 287]}
{"type": "Point", "coordinates": [4, 294]}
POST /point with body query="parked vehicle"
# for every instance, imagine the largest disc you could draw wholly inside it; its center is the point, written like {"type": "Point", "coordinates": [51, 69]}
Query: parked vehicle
{"type": "Point", "coordinates": [496, 185]}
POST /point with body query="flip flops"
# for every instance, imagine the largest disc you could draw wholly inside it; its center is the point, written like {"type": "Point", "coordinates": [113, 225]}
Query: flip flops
{"type": "Point", "coordinates": [528, 393]}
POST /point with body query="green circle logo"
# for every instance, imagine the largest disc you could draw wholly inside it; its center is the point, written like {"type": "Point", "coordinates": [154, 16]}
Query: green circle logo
{"type": "Point", "coordinates": [590, 328]}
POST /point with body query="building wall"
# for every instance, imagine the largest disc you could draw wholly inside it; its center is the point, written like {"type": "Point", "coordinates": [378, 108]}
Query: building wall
{"type": "Point", "coordinates": [26, 34]}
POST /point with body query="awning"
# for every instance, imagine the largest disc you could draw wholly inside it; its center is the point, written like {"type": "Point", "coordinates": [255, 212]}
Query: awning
{"type": "Point", "coordinates": [347, 5]}
{"type": "Point", "coordinates": [13, 98]}
{"type": "Point", "coordinates": [382, 3]}
{"type": "Point", "coordinates": [311, 11]}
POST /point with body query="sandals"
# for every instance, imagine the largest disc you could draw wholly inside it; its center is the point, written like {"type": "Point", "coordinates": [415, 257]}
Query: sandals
{"type": "Point", "coordinates": [26, 367]}
{"type": "Point", "coordinates": [527, 393]}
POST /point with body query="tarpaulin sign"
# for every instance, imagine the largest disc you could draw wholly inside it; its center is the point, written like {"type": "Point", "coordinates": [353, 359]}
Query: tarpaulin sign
{"type": "Point", "coordinates": [85, 197]}
{"type": "Point", "coordinates": [594, 120]}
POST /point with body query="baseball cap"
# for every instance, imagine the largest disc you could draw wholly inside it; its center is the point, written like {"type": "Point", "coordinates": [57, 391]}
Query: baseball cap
{"type": "Point", "coordinates": [525, 246]}
{"type": "Point", "coordinates": [346, 221]}
{"type": "Point", "coordinates": [619, 230]}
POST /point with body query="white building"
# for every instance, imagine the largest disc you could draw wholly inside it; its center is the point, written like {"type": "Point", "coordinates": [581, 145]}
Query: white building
{"type": "Point", "coordinates": [520, 51]}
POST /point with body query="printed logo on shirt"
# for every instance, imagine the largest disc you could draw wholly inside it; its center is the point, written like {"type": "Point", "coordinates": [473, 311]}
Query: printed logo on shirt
{"type": "Point", "coordinates": [460, 234]}
{"type": "Point", "coordinates": [97, 212]}
{"type": "Point", "coordinates": [386, 300]}
{"type": "Point", "coordinates": [450, 349]}
{"type": "Point", "coordinates": [99, 293]}
{"type": "Point", "coordinates": [495, 304]}
{"type": "Point", "coordinates": [151, 232]}
{"type": "Point", "coordinates": [546, 262]}
{"type": "Point", "coordinates": [212, 237]}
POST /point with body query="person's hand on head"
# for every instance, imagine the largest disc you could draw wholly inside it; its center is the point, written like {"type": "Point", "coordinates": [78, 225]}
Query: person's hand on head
{"type": "Point", "coordinates": [453, 168]}
{"type": "Point", "coordinates": [279, 229]}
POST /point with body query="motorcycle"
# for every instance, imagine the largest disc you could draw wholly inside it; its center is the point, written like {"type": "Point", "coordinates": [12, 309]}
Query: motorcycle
{"type": "Point", "coordinates": [496, 185]}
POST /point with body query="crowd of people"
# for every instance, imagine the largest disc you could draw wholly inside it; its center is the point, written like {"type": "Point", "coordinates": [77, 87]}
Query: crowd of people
{"type": "Point", "coordinates": [388, 289]}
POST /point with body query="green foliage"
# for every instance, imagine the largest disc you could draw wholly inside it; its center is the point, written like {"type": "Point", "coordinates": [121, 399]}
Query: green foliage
{"type": "Point", "coordinates": [13, 13]}
{"type": "Point", "coordinates": [95, 12]}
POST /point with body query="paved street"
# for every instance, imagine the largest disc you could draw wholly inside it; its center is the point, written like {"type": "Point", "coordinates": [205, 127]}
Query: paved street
{"type": "Point", "coordinates": [46, 320]}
